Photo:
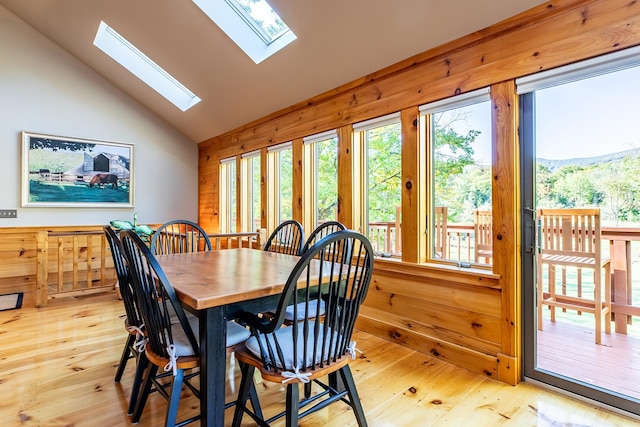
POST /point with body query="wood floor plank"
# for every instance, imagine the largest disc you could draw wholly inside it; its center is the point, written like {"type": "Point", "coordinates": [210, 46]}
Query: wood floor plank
{"type": "Point", "coordinates": [569, 349]}
{"type": "Point", "coordinates": [57, 365]}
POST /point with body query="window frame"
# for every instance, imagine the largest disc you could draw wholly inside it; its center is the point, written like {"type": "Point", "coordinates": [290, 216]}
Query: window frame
{"type": "Point", "coordinates": [249, 190]}
{"type": "Point", "coordinates": [236, 26]}
{"type": "Point", "coordinates": [274, 179]}
{"type": "Point", "coordinates": [228, 195]}
{"type": "Point", "coordinates": [361, 139]}
{"type": "Point", "coordinates": [310, 162]}
{"type": "Point", "coordinates": [426, 113]}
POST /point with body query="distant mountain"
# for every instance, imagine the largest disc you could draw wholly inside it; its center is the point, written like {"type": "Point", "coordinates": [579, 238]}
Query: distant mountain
{"type": "Point", "coordinates": [588, 161]}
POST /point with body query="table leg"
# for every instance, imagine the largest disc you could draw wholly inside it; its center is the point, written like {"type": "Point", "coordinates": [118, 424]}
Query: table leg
{"type": "Point", "coordinates": [213, 330]}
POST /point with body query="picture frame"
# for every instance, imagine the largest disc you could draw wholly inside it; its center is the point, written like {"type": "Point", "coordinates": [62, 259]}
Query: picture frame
{"type": "Point", "coordinates": [59, 171]}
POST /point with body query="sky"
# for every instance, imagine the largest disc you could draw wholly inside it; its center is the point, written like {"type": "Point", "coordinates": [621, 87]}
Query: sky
{"type": "Point", "coordinates": [587, 118]}
{"type": "Point", "coordinates": [590, 117]}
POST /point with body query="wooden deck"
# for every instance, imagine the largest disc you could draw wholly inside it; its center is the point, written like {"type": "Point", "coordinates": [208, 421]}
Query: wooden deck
{"type": "Point", "coordinates": [57, 365]}
{"type": "Point", "coordinates": [568, 348]}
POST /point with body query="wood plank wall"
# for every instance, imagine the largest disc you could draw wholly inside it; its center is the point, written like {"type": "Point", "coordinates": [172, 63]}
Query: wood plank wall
{"type": "Point", "coordinates": [470, 319]}
{"type": "Point", "coordinates": [62, 261]}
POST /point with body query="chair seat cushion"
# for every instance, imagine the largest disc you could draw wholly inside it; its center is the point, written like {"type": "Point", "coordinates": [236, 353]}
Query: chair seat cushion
{"type": "Point", "coordinates": [236, 333]}
{"type": "Point", "coordinates": [181, 343]}
{"type": "Point", "coordinates": [314, 311]}
{"type": "Point", "coordinates": [285, 340]}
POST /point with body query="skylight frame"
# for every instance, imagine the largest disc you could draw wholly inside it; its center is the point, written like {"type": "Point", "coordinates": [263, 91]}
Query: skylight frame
{"type": "Point", "coordinates": [238, 26]}
{"type": "Point", "coordinates": [135, 61]}
{"type": "Point", "coordinates": [252, 21]}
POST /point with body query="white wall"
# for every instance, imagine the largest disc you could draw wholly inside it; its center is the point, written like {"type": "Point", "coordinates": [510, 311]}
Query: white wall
{"type": "Point", "coordinates": [43, 89]}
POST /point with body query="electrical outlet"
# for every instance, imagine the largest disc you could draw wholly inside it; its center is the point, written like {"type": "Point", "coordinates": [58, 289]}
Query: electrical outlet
{"type": "Point", "coordinates": [8, 213]}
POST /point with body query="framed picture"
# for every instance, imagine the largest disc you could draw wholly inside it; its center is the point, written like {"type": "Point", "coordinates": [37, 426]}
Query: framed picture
{"type": "Point", "coordinates": [60, 171]}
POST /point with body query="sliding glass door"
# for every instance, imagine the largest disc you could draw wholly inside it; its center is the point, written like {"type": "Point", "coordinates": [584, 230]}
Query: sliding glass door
{"type": "Point", "coordinates": [580, 134]}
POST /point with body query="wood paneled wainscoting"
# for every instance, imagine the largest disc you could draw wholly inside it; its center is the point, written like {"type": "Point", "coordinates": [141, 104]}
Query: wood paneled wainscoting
{"type": "Point", "coordinates": [452, 314]}
{"type": "Point", "coordinates": [45, 263]}
{"type": "Point", "coordinates": [52, 262]}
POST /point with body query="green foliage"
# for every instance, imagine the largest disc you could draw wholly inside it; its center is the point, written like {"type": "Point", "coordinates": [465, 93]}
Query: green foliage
{"type": "Point", "coordinates": [57, 145]}
{"type": "Point", "coordinates": [255, 202]}
{"type": "Point", "coordinates": [75, 193]}
{"type": "Point", "coordinates": [384, 172]}
{"type": "Point", "coordinates": [61, 162]}
{"type": "Point", "coordinates": [458, 182]}
{"type": "Point", "coordinates": [274, 27]}
{"type": "Point", "coordinates": [327, 179]}
{"type": "Point", "coordinates": [286, 184]}
{"type": "Point", "coordinates": [611, 186]}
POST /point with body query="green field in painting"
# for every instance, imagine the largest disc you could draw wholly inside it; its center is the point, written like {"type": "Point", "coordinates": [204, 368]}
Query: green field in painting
{"type": "Point", "coordinates": [75, 193]}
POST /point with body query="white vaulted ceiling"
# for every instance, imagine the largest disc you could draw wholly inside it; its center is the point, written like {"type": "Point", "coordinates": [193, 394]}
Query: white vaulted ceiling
{"type": "Point", "coordinates": [337, 41]}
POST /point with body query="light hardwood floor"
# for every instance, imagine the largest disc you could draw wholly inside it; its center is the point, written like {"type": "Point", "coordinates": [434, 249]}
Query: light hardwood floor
{"type": "Point", "coordinates": [57, 366]}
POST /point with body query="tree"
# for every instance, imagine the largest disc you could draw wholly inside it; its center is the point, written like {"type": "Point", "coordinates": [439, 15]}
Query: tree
{"type": "Point", "coordinates": [327, 179]}
{"type": "Point", "coordinates": [286, 184]}
{"type": "Point", "coordinates": [384, 172]}
{"type": "Point", "coordinates": [55, 145]}
{"type": "Point", "coordinates": [452, 160]}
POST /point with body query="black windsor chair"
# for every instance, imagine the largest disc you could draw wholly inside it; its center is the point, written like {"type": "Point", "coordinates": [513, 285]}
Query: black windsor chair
{"type": "Point", "coordinates": [179, 236]}
{"type": "Point", "coordinates": [313, 347]}
{"type": "Point", "coordinates": [172, 340]}
{"type": "Point", "coordinates": [133, 320]}
{"type": "Point", "coordinates": [287, 238]}
{"type": "Point", "coordinates": [323, 230]}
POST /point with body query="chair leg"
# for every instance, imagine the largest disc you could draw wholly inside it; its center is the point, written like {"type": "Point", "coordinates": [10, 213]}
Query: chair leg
{"type": "Point", "coordinates": [149, 374]}
{"type": "Point", "coordinates": [245, 390]}
{"type": "Point", "coordinates": [293, 405]}
{"type": "Point", "coordinates": [540, 294]}
{"type": "Point", "coordinates": [255, 402]}
{"type": "Point", "coordinates": [307, 389]}
{"type": "Point", "coordinates": [349, 383]}
{"type": "Point", "coordinates": [174, 398]}
{"type": "Point", "coordinates": [607, 298]}
{"type": "Point", "coordinates": [335, 382]}
{"type": "Point", "coordinates": [141, 366]}
{"type": "Point", "coordinates": [126, 355]}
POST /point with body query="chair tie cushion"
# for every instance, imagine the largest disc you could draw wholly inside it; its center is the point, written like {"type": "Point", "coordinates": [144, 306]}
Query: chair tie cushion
{"type": "Point", "coordinates": [236, 333]}
{"type": "Point", "coordinates": [284, 337]}
{"type": "Point", "coordinates": [172, 364]}
{"type": "Point", "coordinates": [314, 311]}
{"type": "Point", "coordinates": [352, 350]}
{"type": "Point", "coordinates": [295, 375]}
{"type": "Point", "coordinates": [141, 340]}
{"type": "Point", "coordinates": [179, 348]}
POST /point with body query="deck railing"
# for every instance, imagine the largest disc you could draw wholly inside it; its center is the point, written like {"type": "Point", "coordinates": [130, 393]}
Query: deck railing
{"type": "Point", "coordinates": [384, 238]}
{"type": "Point", "coordinates": [622, 245]}
{"type": "Point", "coordinates": [253, 239]}
{"type": "Point", "coordinates": [624, 251]}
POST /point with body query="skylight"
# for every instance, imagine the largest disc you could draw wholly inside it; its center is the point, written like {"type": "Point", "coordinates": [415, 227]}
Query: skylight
{"type": "Point", "coordinates": [131, 58]}
{"type": "Point", "coordinates": [252, 24]}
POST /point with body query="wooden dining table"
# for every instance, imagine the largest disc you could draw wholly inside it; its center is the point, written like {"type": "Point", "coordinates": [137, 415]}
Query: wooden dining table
{"type": "Point", "coordinates": [217, 286]}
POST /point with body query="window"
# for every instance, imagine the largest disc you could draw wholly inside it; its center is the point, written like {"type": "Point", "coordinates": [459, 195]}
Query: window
{"type": "Point", "coordinates": [587, 150]}
{"type": "Point", "coordinates": [459, 206]}
{"type": "Point", "coordinates": [381, 160]}
{"type": "Point", "coordinates": [320, 175]}
{"type": "Point", "coordinates": [228, 205]}
{"type": "Point", "coordinates": [252, 24]}
{"type": "Point", "coordinates": [131, 58]}
{"type": "Point", "coordinates": [250, 192]}
{"type": "Point", "coordinates": [280, 183]}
